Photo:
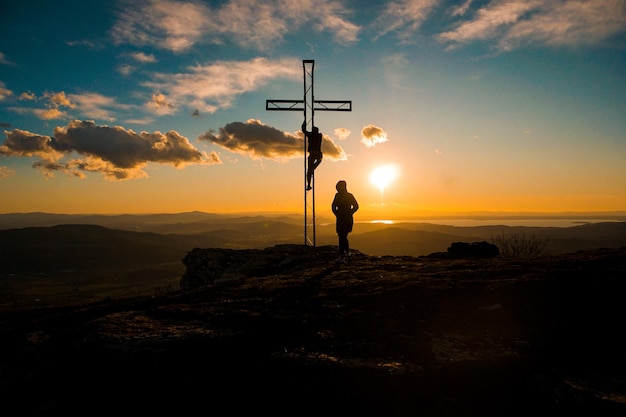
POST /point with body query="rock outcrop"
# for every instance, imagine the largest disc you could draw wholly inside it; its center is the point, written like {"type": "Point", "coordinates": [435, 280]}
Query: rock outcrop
{"type": "Point", "coordinates": [207, 266]}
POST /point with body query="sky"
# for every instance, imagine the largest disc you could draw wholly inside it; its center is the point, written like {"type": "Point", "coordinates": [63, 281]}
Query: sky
{"type": "Point", "coordinates": [159, 106]}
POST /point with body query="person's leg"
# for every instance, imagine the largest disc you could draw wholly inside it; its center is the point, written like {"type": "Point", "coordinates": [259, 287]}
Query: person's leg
{"type": "Point", "coordinates": [317, 161]}
{"type": "Point", "coordinates": [343, 243]}
{"type": "Point", "coordinates": [309, 172]}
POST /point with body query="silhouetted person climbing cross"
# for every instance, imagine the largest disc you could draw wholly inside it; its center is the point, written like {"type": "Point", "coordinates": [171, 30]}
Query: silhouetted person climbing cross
{"type": "Point", "coordinates": [314, 139]}
{"type": "Point", "coordinates": [344, 206]}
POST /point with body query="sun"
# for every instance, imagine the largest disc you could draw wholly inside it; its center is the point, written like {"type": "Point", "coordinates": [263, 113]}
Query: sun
{"type": "Point", "coordinates": [383, 175]}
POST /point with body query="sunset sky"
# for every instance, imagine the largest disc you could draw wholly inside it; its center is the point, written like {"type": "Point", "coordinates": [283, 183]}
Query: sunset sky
{"type": "Point", "coordinates": [158, 106]}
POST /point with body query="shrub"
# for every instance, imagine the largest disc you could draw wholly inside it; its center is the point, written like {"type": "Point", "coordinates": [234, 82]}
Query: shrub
{"type": "Point", "coordinates": [519, 245]}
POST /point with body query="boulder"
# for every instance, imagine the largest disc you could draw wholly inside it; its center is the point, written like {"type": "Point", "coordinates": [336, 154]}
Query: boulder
{"type": "Point", "coordinates": [477, 250]}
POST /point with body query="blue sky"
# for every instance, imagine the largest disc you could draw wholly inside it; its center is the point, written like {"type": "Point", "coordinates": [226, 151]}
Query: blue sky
{"type": "Point", "coordinates": [159, 106]}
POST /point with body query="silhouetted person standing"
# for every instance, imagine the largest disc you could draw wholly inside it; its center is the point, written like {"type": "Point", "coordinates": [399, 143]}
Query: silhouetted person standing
{"type": "Point", "coordinates": [314, 140]}
{"type": "Point", "coordinates": [344, 206]}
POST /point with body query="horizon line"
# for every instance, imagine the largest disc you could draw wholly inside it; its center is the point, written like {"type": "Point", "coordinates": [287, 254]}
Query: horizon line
{"type": "Point", "coordinates": [421, 215]}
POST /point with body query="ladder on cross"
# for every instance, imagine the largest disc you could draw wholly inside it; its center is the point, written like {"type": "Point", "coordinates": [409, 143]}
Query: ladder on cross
{"type": "Point", "coordinates": [308, 105]}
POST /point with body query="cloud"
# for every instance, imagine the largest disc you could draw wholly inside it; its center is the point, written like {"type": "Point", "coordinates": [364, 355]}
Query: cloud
{"type": "Point", "coordinates": [96, 106]}
{"type": "Point", "coordinates": [160, 104]}
{"type": "Point", "coordinates": [257, 140]}
{"type": "Point", "coordinates": [28, 96]}
{"type": "Point", "coordinates": [4, 92]}
{"type": "Point", "coordinates": [22, 143]}
{"type": "Point", "coordinates": [4, 60]}
{"type": "Point", "coordinates": [171, 25]}
{"type": "Point", "coordinates": [490, 20]}
{"type": "Point", "coordinates": [372, 135]}
{"type": "Point", "coordinates": [143, 57]}
{"type": "Point", "coordinates": [329, 16]}
{"type": "Point", "coordinates": [208, 88]}
{"type": "Point", "coordinates": [60, 99]}
{"type": "Point", "coordinates": [177, 26]}
{"type": "Point", "coordinates": [49, 114]}
{"type": "Point", "coordinates": [90, 44]}
{"type": "Point", "coordinates": [461, 9]}
{"type": "Point", "coordinates": [514, 23]}
{"type": "Point", "coordinates": [569, 23]}
{"type": "Point", "coordinates": [404, 17]}
{"type": "Point", "coordinates": [342, 133]}
{"type": "Point", "coordinates": [125, 69]}
{"type": "Point", "coordinates": [114, 152]}
{"type": "Point", "coordinates": [6, 172]}
{"type": "Point", "coordinates": [55, 103]}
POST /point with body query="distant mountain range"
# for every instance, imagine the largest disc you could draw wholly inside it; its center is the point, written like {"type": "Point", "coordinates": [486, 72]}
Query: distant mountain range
{"type": "Point", "coordinates": [77, 257]}
{"type": "Point", "coordinates": [47, 239]}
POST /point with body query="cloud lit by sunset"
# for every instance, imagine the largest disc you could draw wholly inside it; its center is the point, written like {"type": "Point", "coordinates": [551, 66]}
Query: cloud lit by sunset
{"type": "Point", "coordinates": [373, 135]}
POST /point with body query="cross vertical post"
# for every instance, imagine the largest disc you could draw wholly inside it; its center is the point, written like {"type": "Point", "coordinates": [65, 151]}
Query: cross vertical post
{"type": "Point", "coordinates": [308, 67]}
{"type": "Point", "coordinates": [308, 105]}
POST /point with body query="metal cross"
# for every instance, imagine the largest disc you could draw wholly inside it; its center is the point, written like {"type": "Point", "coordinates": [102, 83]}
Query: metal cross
{"type": "Point", "coordinates": [308, 103]}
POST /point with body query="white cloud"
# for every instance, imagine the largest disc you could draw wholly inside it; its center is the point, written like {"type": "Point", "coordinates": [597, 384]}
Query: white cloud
{"type": "Point", "coordinates": [404, 17]}
{"type": "Point", "coordinates": [143, 57]}
{"type": "Point", "coordinates": [489, 21]}
{"type": "Point", "coordinates": [569, 23]}
{"type": "Point", "coordinates": [330, 17]}
{"type": "Point", "coordinates": [95, 106]}
{"type": "Point", "coordinates": [171, 25]}
{"type": "Point", "coordinates": [514, 23]}
{"type": "Point", "coordinates": [177, 26]}
{"type": "Point", "coordinates": [461, 9]}
{"type": "Point", "coordinates": [210, 87]}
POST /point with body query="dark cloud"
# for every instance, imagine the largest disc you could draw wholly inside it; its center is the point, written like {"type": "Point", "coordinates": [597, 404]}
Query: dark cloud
{"type": "Point", "coordinates": [114, 152]}
{"type": "Point", "coordinates": [257, 140]}
{"type": "Point", "coordinates": [23, 143]}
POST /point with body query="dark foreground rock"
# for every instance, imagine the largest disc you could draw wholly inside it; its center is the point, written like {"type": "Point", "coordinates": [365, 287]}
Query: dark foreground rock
{"type": "Point", "coordinates": [379, 336]}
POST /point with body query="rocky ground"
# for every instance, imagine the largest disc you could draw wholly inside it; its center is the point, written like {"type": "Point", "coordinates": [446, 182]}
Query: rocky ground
{"type": "Point", "coordinates": [392, 336]}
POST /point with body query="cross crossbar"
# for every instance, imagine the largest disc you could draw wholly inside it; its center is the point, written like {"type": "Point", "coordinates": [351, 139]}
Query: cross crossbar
{"type": "Point", "coordinates": [298, 105]}
{"type": "Point", "coordinates": [333, 105]}
{"type": "Point", "coordinates": [284, 105]}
